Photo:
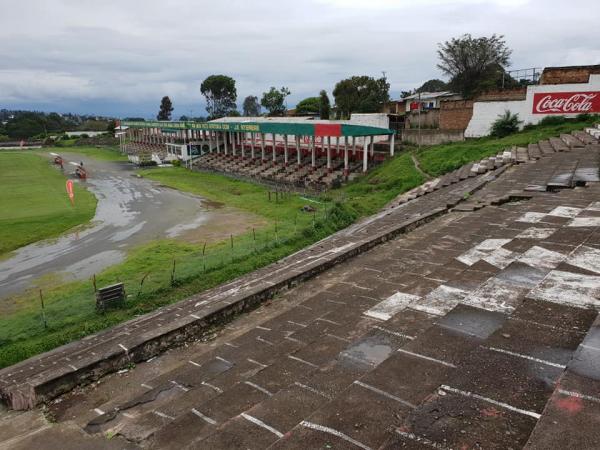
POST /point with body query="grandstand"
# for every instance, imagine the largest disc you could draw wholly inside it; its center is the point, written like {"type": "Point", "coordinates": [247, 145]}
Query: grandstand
{"type": "Point", "coordinates": [316, 154]}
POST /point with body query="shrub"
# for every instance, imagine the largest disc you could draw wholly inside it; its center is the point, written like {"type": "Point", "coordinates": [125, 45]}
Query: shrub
{"type": "Point", "coordinates": [506, 124]}
{"type": "Point", "coordinates": [553, 120]}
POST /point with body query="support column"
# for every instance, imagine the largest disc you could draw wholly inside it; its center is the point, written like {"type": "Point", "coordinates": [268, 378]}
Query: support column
{"type": "Point", "coordinates": [312, 152]}
{"type": "Point", "coordinates": [262, 147]}
{"type": "Point", "coordinates": [346, 156]}
{"type": "Point", "coordinates": [210, 141]}
{"type": "Point", "coordinates": [329, 153]}
{"type": "Point", "coordinates": [225, 141]}
{"type": "Point", "coordinates": [274, 147]}
{"type": "Point", "coordinates": [285, 150]}
{"type": "Point", "coordinates": [298, 150]}
{"type": "Point", "coordinates": [354, 146]}
{"type": "Point", "coordinates": [218, 144]}
{"type": "Point", "coordinates": [241, 136]}
{"type": "Point", "coordinates": [372, 146]}
{"type": "Point", "coordinates": [365, 154]}
{"type": "Point", "coordinates": [392, 143]}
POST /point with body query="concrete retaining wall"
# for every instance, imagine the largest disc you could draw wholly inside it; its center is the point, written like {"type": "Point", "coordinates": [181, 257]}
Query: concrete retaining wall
{"type": "Point", "coordinates": [432, 137]}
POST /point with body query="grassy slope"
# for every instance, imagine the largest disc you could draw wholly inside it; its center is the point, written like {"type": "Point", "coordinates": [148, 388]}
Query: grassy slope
{"type": "Point", "coordinates": [33, 201]}
{"type": "Point", "coordinates": [439, 159]}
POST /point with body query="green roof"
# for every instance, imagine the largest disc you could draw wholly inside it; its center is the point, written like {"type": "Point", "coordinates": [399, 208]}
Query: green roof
{"type": "Point", "coordinates": [299, 129]}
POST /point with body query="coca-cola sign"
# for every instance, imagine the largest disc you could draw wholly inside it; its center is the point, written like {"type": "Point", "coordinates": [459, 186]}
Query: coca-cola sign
{"type": "Point", "coordinates": [566, 103]}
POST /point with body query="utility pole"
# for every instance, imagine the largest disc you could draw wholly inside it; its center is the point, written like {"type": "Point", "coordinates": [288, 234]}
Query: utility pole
{"type": "Point", "coordinates": [419, 116]}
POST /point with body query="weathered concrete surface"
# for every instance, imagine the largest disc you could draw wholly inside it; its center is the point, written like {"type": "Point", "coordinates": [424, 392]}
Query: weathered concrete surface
{"type": "Point", "coordinates": [475, 329]}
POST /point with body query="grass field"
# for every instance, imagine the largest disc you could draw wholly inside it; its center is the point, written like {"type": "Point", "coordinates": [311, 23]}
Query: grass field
{"type": "Point", "coordinates": [34, 203]}
{"type": "Point", "coordinates": [101, 154]}
{"type": "Point", "coordinates": [70, 307]}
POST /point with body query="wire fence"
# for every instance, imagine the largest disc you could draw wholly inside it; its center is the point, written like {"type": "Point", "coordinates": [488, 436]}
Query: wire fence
{"type": "Point", "coordinates": [222, 261]}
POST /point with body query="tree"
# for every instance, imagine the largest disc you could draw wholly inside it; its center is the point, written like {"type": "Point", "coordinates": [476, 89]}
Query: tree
{"type": "Point", "coordinates": [433, 85]}
{"type": "Point", "coordinates": [251, 107]}
{"type": "Point", "coordinates": [274, 101]}
{"type": "Point", "coordinates": [324, 105]}
{"type": "Point", "coordinates": [166, 108]}
{"type": "Point", "coordinates": [361, 94]}
{"type": "Point", "coordinates": [220, 94]}
{"type": "Point", "coordinates": [111, 127]}
{"type": "Point", "coordinates": [310, 105]}
{"type": "Point", "coordinates": [473, 63]}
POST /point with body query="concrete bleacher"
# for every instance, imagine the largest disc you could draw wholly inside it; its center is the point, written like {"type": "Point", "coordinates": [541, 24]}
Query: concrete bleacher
{"type": "Point", "coordinates": [302, 175]}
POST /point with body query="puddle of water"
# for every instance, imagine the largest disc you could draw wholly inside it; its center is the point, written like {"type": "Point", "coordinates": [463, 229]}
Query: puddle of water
{"type": "Point", "coordinates": [371, 350]}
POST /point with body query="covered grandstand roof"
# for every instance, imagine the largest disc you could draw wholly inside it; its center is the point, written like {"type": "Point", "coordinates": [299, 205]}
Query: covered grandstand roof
{"type": "Point", "coordinates": [283, 127]}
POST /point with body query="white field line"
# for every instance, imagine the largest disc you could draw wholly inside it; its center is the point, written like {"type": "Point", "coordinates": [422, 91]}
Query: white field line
{"type": "Point", "coordinates": [317, 427]}
{"type": "Point", "coordinates": [421, 440]}
{"type": "Point", "coordinates": [492, 401]}
{"type": "Point", "coordinates": [385, 394]}
{"type": "Point", "coordinates": [428, 358]}
{"type": "Point", "coordinates": [394, 333]}
{"type": "Point", "coordinates": [530, 358]}
{"type": "Point", "coordinates": [203, 417]}
{"type": "Point", "coordinates": [578, 395]}
{"type": "Point", "coordinates": [313, 390]}
{"type": "Point", "coordinates": [295, 358]}
{"type": "Point", "coordinates": [258, 388]}
{"type": "Point", "coordinates": [260, 423]}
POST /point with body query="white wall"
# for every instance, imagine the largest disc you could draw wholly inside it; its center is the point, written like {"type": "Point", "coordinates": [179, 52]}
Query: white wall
{"type": "Point", "coordinates": [485, 113]}
{"type": "Point", "coordinates": [370, 120]}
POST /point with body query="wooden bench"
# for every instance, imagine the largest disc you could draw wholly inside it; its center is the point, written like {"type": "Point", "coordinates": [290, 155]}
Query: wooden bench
{"type": "Point", "coordinates": [112, 296]}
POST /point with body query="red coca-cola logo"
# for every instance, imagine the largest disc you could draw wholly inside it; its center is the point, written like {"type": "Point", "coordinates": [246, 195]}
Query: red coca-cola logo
{"type": "Point", "coordinates": [566, 103]}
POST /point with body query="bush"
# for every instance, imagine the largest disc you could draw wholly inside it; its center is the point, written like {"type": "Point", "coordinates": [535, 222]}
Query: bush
{"type": "Point", "coordinates": [4, 138]}
{"type": "Point", "coordinates": [176, 163]}
{"type": "Point", "coordinates": [553, 120]}
{"type": "Point", "coordinates": [506, 124]}
{"type": "Point", "coordinates": [586, 117]}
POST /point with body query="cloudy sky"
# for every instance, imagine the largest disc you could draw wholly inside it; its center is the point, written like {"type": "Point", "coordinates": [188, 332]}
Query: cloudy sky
{"type": "Point", "coordinates": [120, 57]}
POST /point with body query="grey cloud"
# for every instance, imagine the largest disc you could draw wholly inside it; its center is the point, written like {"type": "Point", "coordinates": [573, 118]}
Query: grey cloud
{"type": "Point", "coordinates": [85, 54]}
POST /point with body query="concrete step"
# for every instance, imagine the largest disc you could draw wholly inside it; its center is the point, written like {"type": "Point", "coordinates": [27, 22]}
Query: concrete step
{"type": "Point", "coordinates": [570, 418]}
{"type": "Point", "coordinates": [558, 144]}
{"type": "Point", "coordinates": [522, 155]}
{"type": "Point", "coordinates": [295, 390]}
{"type": "Point", "coordinates": [534, 151]}
{"type": "Point", "coordinates": [571, 141]}
{"type": "Point", "coordinates": [546, 148]}
{"type": "Point", "coordinates": [497, 393]}
{"type": "Point", "coordinates": [563, 176]}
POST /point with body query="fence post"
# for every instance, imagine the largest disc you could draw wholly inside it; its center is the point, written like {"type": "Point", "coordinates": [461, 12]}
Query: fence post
{"type": "Point", "coordinates": [173, 273]}
{"type": "Point", "coordinates": [203, 256]}
{"type": "Point", "coordinates": [43, 311]}
{"type": "Point", "coordinates": [142, 283]}
{"type": "Point", "coordinates": [231, 237]}
{"type": "Point", "coordinates": [254, 236]}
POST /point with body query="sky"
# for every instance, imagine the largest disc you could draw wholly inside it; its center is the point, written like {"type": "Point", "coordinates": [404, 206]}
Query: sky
{"type": "Point", "coordinates": [119, 58]}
